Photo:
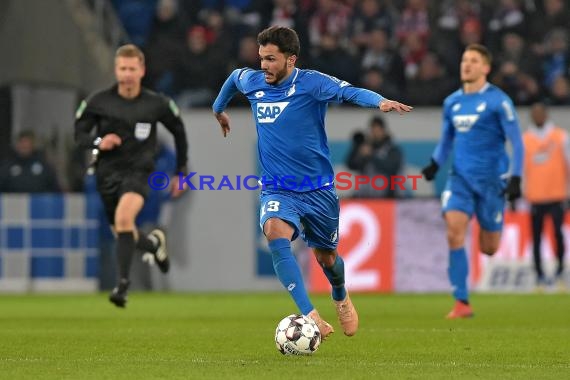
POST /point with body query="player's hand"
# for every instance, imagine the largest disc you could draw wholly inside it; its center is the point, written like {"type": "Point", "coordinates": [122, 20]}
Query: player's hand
{"type": "Point", "coordinates": [178, 187]}
{"type": "Point", "coordinates": [387, 105]}
{"type": "Point", "coordinates": [176, 191]}
{"type": "Point", "coordinates": [513, 190]}
{"type": "Point", "coordinates": [224, 121]}
{"type": "Point", "coordinates": [110, 141]}
{"type": "Point", "coordinates": [430, 170]}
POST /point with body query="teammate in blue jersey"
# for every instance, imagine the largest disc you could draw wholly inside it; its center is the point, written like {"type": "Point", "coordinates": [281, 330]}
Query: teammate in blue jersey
{"type": "Point", "coordinates": [477, 120]}
{"type": "Point", "coordinates": [289, 107]}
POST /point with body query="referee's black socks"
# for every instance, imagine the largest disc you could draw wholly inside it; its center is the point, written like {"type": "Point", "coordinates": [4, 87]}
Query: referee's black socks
{"type": "Point", "coordinates": [125, 249]}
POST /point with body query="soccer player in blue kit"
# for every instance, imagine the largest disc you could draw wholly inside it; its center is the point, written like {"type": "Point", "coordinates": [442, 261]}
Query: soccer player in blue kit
{"type": "Point", "coordinates": [298, 195]}
{"type": "Point", "coordinates": [477, 120]}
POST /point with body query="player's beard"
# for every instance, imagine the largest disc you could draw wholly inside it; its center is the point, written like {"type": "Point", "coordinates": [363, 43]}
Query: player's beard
{"type": "Point", "coordinates": [278, 76]}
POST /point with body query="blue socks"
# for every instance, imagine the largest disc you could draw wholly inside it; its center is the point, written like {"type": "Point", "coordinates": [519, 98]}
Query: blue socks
{"type": "Point", "coordinates": [289, 273]}
{"type": "Point", "coordinates": [457, 272]}
{"type": "Point", "coordinates": [335, 275]}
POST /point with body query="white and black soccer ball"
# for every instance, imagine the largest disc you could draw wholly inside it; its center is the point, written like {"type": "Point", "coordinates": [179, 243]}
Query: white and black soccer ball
{"type": "Point", "coordinates": [297, 335]}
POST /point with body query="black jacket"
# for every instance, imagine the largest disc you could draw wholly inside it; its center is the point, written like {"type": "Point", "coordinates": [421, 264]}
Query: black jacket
{"type": "Point", "coordinates": [134, 121]}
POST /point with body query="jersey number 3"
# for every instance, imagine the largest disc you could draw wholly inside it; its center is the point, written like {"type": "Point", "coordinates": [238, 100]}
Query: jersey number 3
{"type": "Point", "coordinates": [272, 206]}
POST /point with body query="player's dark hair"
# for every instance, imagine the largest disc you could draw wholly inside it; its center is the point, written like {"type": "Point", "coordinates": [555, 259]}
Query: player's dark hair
{"type": "Point", "coordinates": [485, 53]}
{"type": "Point", "coordinates": [130, 51]}
{"type": "Point", "coordinates": [286, 39]}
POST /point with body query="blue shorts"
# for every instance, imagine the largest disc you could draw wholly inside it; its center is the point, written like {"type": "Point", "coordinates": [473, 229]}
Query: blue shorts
{"type": "Point", "coordinates": [313, 214]}
{"type": "Point", "coordinates": [486, 201]}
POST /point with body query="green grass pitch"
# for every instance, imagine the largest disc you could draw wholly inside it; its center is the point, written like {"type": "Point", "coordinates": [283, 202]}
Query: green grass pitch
{"type": "Point", "coordinates": [230, 336]}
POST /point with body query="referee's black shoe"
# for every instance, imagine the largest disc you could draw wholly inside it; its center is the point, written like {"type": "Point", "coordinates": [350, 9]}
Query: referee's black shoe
{"type": "Point", "coordinates": [161, 254]}
{"type": "Point", "coordinates": [119, 295]}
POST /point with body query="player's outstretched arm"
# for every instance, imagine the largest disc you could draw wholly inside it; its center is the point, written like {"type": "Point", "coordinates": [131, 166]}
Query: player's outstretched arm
{"type": "Point", "coordinates": [387, 105]}
{"type": "Point", "coordinates": [228, 90]}
{"type": "Point", "coordinates": [224, 121]}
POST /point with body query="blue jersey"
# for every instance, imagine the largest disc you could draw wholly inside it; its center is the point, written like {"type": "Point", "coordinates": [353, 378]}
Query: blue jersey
{"type": "Point", "coordinates": [477, 125]}
{"type": "Point", "coordinates": [290, 122]}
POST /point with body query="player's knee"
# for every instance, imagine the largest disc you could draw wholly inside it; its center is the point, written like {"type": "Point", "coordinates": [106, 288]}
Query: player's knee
{"type": "Point", "coordinates": [455, 237]}
{"type": "Point", "coordinates": [489, 243]}
{"type": "Point", "coordinates": [124, 223]}
{"type": "Point", "coordinates": [276, 228]}
{"type": "Point", "coordinates": [325, 258]}
{"type": "Point", "coordinates": [488, 249]}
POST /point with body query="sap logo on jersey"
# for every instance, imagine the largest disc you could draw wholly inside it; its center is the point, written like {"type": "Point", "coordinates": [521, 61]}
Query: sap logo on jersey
{"type": "Point", "coordinates": [463, 123]}
{"type": "Point", "coordinates": [269, 112]}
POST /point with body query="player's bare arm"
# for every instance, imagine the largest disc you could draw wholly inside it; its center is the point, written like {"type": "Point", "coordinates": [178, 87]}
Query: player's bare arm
{"type": "Point", "coordinates": [387, 105]}
{"type": "Point", "coordinates": [224, 121]}
{"type": "Point", "coordinates": [110, 141]}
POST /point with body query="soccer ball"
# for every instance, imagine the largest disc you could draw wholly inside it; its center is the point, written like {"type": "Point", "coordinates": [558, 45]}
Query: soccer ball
{"type": "Point", "coordinates": [297, 335]}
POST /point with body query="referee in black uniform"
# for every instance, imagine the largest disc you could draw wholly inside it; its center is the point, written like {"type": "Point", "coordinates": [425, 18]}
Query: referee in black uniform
{"type": "Point", "coordinates": [119, 124]}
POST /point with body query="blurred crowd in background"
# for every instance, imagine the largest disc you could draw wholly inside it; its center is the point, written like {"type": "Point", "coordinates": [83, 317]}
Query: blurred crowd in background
{"type": "Point", "coordinates": [408, 50]}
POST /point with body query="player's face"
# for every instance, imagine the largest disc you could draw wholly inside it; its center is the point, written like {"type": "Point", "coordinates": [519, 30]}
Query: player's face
{"type": "Point", "coordinates": [129, 71]}
{"type": "Point", "coordinates": [473, 67]}
{"type": "Point", "coordinates": [275, 64]}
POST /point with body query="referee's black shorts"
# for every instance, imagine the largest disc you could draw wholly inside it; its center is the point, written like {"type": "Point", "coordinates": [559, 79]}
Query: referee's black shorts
{"type": "Point", "coordinates": [112, 185]}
